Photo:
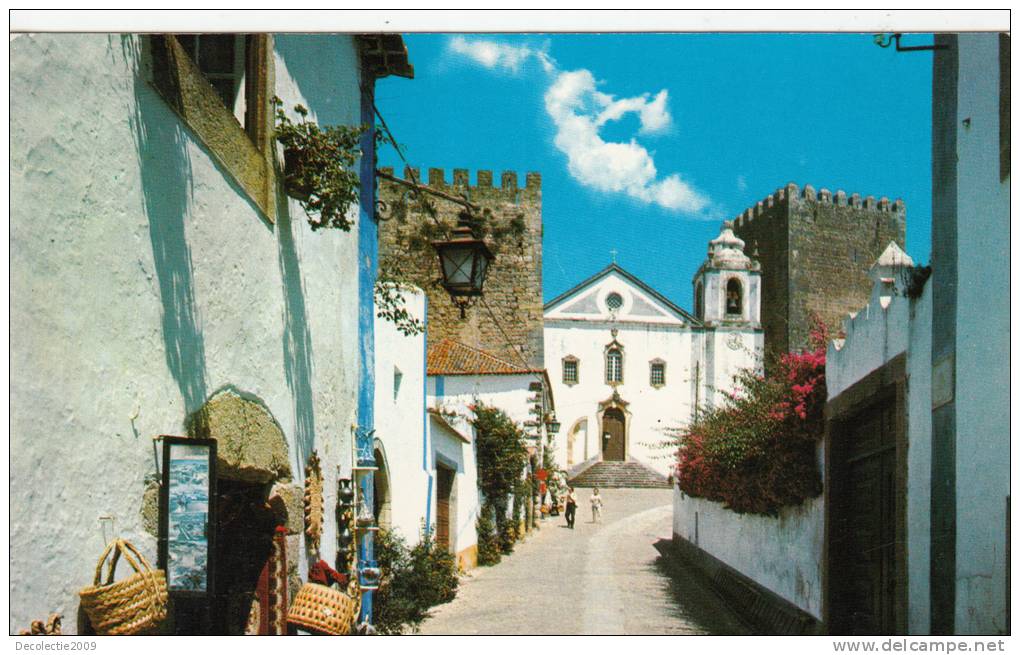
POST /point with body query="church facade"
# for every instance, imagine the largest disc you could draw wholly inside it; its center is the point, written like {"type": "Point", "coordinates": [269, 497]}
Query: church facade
{"type": "Point", "coordinates": [626, 363]}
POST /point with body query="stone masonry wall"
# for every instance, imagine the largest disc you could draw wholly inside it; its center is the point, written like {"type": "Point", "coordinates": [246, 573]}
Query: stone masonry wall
{"type": "Point", "coordinates": [513, 287]}
{"type": "Point", "coordinates": [816, 250]}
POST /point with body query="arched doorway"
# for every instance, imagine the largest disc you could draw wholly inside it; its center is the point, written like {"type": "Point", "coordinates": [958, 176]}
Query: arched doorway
{"type": "Point", "coordinates": [579, 427]}
{"type": "Point", "coordinates": [381, 479]}
{"type": "Point", "coordinates": [257, 506]}
{"type": "Point", "coordinates": [614, 435]}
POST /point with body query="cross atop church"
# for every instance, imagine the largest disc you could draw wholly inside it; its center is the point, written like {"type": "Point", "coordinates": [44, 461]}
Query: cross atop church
{"type": "Point", "coordinates": [613, 253]}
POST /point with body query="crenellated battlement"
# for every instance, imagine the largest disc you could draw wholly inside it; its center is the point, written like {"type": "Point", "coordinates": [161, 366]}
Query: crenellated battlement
{"type": "Point", "coordinates": [437, 178]}
{"type": "Point", "coordinates": [822, 197]}
{"type": "Point", "coordinates": [511, 325]}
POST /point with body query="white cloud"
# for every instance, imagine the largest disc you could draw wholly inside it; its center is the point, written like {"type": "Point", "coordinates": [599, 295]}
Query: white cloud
{"type": "Point", "coordinates": [492, 54]}
{"type": "Point", "coordinates": [579, 111]}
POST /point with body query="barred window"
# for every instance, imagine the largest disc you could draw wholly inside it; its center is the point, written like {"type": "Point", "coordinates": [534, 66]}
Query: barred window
{"type": "Point", "coordinates": [614, 366]}
{"type": "Point", "coordinates": [658, 374]}
{"type": "Point", "coordinates": [570, 370]}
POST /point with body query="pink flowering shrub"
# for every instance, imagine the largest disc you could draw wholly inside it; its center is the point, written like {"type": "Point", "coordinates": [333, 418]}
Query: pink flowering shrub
{"type": "Point", "coordinates": [756, 451]}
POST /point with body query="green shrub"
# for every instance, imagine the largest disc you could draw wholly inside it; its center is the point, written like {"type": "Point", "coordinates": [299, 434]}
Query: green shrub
{"type": "Point", "coordinates": [414, 579]}
{"type": "Point", "coordinates": [488, 544]}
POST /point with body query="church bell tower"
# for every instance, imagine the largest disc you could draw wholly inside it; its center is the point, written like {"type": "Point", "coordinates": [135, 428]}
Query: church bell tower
{"type": "Point", "coordinates": [727, 287]}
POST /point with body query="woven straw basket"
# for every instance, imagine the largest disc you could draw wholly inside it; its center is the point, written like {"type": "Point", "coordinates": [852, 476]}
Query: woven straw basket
{"type": "Point", "coordinates": [130, 606]}
{"type": "Point", "coordinates": [319, 608]}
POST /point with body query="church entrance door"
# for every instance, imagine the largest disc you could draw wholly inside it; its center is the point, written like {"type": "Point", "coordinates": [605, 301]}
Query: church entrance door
{"type": "Point", "coordinates": [614, 435]}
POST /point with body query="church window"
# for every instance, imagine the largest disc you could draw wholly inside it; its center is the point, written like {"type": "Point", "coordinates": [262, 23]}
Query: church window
{"type": "Point", "coordinates": [614, 366]}
{"type": "Point", "coordinates": [614, 301]}
{"type": "Point", "coordinates": [734, 299]}
{"type": "Point", "coordinates": [699, 301]}
{"type": "Point", "coordinates": [657, 373]}
{"type": "Point", "coordinates": [570, 375]}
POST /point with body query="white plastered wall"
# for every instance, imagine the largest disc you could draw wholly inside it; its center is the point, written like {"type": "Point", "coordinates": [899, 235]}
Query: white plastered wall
{"type": "Point", "coordinates": [400, 420]}
{"type": "Point", "coordinates": [142, 281]}
{"type": "Point", "coordinates": [982, 367]}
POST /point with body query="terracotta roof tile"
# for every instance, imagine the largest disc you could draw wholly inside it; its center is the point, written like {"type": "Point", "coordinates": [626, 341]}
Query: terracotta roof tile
{"type": "Point", "coordinates": [449, 357]}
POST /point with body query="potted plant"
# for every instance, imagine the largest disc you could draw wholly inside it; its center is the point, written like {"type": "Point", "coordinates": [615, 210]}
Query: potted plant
{"type": "Point", "coordinates": [319, 166]}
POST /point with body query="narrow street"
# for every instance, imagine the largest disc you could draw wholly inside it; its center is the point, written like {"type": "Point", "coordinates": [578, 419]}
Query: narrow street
{"type": "Point", "coordinates": [602, 578]}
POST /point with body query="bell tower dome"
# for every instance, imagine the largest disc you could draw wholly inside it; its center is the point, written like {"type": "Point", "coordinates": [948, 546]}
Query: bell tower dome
{"type": "Point", "coordinates": [727, 287]}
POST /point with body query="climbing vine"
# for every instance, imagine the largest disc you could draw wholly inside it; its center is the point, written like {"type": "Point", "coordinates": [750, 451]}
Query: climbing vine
{"type": "Point", "coordinates": [501, 457]}
{"type": "Point", "coordinates": [756, 452]}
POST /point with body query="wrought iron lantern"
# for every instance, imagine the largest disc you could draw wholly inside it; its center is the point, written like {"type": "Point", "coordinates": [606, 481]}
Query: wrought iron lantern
{"type": "Point", "coordinates": [551, 424]}
{"type": "Point", "coordinates": [463, 261]}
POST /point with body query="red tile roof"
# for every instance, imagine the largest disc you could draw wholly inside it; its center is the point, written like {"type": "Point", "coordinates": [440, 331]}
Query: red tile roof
{"type": "Point", "coordinates": [449, 357]}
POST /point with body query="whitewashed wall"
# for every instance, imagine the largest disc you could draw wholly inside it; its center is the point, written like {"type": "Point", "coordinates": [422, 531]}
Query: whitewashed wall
{"type": "Point", "coordinates": [507, 392]}
{"type": "Point", "coordinates": [982, 323]}
{"type": "Point", "coordinates": [782, 554]}
{"type": "Point", "coordinates": [919, 465]}
{"type": "Point", "coordinates": [456, 393]}
{"type": "Point", "coordinates": [450, 450]}
{"type": "Point", "coordinates": [142, 281]}
{"type": "Point", "coordinates": [725, 353]}
{"type": "Point", "coordinates": [400, 421]}
{"type": "Point", "coordinates": [652, 409]}
{"type": "Point", "coordinates": [876, 334]}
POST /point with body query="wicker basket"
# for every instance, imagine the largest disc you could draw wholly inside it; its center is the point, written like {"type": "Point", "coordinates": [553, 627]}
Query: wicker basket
{"type": "Point", "coordinates": [322, 609]}
{"type": "Point", "coordinates": [130, 606]}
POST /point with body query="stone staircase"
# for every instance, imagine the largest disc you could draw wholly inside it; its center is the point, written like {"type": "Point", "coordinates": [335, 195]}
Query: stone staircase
{"type": "Point", "coordinates": [616, 475]}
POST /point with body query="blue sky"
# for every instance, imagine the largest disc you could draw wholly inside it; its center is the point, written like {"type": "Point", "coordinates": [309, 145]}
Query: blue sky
{"type": "Point", "coordinates": [647, 142]}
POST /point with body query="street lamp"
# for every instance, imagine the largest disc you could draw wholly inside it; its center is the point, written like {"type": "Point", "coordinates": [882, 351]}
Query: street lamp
{"type": "Point", "coordinates": [463, 261]}
{"type": "Point", "coordinates": [551, 424]}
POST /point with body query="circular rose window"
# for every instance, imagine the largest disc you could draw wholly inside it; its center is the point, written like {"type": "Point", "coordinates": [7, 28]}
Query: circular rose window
{"type": "Point", "coordinates": [614, 301]}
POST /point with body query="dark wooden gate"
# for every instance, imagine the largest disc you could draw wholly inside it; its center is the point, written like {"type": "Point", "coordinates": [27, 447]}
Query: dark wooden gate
{"type": "Point", "coordinates": [614, 435]}
{"type": "Point", "coordinates": [862, 555]}
{"type": "Point", "coordinates": [444, 489]}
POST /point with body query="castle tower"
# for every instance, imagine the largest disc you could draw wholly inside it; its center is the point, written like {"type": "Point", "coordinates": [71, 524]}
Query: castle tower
{"type": "Point", "coordinates": [727, 287]}
{"type": "Point", "coordinates": [511, 309]}
{"type": "Point", "coordinates": [815, 251]}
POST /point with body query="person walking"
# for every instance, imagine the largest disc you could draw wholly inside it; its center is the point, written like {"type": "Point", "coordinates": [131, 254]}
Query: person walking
{"type": "Point", "coordinates": [596, 506]}
{"type": "Point", "coordinates": [571, 507]}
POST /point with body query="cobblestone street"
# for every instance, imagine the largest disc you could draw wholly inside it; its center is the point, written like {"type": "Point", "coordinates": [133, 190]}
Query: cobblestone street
{"type": "Point", "coordinates": [602, 578]}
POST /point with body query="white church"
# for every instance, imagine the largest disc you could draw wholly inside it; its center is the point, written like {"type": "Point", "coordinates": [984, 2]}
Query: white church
{"type": "Point", "coordinates": [625, 362]}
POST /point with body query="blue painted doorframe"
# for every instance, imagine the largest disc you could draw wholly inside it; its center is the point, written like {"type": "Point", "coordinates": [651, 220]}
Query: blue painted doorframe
{"type": "Point", "coordinates": [368, 254]}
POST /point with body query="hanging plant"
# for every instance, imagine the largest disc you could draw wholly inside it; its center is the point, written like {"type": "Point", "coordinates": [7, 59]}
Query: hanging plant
{"type": "Point", "coordinates": [319, 166]}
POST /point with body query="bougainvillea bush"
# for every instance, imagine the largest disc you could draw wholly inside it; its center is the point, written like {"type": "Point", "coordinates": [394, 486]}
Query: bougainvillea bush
{"type": "Point", "coordinates": [756, 451]}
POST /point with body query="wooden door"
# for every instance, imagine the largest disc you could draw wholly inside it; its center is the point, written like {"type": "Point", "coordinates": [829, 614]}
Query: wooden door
{"type": "Point", "coordinates": [863, 571]}
{"type": "Point", "coordinates": [444, 489]}
{"type": "Point", "coordinates": [614, 435]}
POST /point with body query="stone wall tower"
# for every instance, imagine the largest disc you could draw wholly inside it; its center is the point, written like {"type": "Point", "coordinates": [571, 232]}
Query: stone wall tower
{"type": "Point", "coordinates": [815, 251]}
{"type": "Point", "coordinates": [513, 287]}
